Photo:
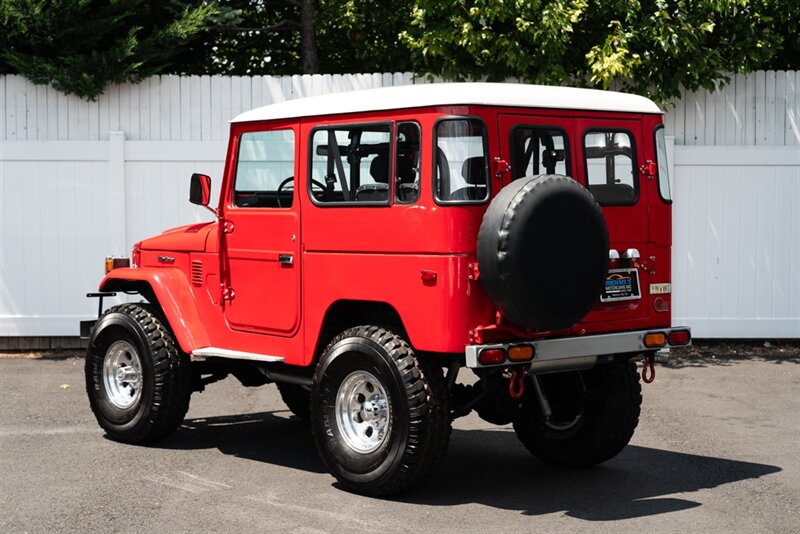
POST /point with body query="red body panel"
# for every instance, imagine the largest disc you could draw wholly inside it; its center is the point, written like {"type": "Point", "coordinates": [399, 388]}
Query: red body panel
{"type": "Point", "coordinates": [377, 254]}
{"type": "Point", "coordinates": [175, 296]}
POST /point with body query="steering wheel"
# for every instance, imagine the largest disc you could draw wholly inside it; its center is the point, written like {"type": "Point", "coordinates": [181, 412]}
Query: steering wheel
{"type": "Point", "coordinates": [291, 179]}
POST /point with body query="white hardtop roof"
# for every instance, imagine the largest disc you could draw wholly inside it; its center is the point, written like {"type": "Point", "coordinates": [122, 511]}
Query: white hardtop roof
{"type": "Point", "coordinates": [452, 94]}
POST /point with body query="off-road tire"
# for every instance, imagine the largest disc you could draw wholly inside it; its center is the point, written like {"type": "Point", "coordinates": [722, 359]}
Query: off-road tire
{"type": "Point", "coordinates": [297, 399]}
{"type": "Point", "coordinates": [419, 428]}
{"type": "Point", "coordinates": [166, 379]}
{"type": "Point", "coordinates": [610, 414]}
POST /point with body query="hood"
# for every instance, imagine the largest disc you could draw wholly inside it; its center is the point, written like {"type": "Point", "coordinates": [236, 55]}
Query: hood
{"type": "Point", "coordinates": [188, 238]}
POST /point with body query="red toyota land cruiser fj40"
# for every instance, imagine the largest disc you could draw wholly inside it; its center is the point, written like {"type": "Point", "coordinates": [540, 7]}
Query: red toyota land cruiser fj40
{"type": "Point", "coordinates": [368, 245]}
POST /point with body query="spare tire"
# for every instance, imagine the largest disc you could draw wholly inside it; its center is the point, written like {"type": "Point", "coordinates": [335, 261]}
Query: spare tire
{"type": "Point", "coordinates": [543, 252]}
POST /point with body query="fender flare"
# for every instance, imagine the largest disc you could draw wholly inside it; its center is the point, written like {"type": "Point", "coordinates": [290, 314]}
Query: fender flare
{"type": "Point", "coordinates": [171, 289]}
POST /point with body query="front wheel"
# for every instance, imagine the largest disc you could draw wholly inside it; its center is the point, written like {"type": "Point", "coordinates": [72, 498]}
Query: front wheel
{"type": "Point", "coordinates": [379, 413]}
{"type": "Point", "coordinates": [137, 379]}
{"type": "Point", "coordinates": [594, 414]}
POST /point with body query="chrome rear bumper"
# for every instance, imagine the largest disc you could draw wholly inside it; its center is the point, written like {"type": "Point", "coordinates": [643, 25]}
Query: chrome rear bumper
{"type": "Point", "coordinates": [552, 355]}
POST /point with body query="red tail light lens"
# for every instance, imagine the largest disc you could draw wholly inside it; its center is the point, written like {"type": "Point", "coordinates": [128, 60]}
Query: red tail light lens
{"type": "Point", "coordinates": [492, 356]}
{"type": "Point", "coordinates": [680, 337]}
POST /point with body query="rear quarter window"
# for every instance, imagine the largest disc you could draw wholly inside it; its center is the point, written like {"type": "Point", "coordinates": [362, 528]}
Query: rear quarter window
{"type": "Point", "coordinates": [461, 166]}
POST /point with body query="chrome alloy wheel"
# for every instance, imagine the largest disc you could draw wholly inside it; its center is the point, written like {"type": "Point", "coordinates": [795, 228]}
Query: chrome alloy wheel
{"type": "Point", "coordinates": [362, 412]}
{"type": "Point", "coordinates": [122, 374]}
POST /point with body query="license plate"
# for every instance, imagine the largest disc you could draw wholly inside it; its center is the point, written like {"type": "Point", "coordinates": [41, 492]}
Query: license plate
{"type": "Point", "coordinates": [621, 284]}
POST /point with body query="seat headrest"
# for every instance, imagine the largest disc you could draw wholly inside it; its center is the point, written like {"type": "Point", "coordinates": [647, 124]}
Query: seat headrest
{"type": "Point", "coordinates": [379, 169]}
{"type": "Point", "coordinates": [474, 170]}
{"type": "Point", "coordinates": [406, 173]}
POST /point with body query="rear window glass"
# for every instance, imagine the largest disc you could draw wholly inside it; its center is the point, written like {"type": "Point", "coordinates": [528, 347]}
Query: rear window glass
{"type": "Point", "coordinates": [539, 150]}
{"type": "Point", "coordinates": [461, 166]}
{"type": "Point", "coordinates": [351, 164]}
{"type": "Point", "coordinates": [610, 169]}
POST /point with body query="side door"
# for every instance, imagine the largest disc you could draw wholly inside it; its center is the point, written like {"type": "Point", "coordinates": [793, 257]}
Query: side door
{"type": "Point", "coordinates": [262, 234]}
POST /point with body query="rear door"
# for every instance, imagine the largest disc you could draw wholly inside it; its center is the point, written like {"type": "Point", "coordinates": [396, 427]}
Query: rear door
{"type": "Point", "coordinates": [605, 155]}
{"type": "Point", "coordinates": [611, 153]}
{"type": "Point", "coordinates": [536, 145]}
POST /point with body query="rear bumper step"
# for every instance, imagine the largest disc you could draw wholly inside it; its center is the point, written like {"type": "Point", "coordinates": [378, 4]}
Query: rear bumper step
{"type": "Point", "coordinates": [551, 355]}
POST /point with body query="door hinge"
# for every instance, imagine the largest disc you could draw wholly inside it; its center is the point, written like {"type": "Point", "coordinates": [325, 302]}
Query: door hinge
{"type": "Point", "coordinates": [227, 294]}
{"type": "Point", "coordinates": [501, 167]}
{"type": "Point", "coordinates": [649, 168]}
{"type": "Point", "coordinates": [473, 272]}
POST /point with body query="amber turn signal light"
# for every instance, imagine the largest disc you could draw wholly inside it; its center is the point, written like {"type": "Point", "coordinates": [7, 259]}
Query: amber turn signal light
{"type": "Point", "coordinates": [520, 353]}
{"type": "Point", "coordinates": [655, 340]}
{"type": "Point", "coordinates": [116, 263]}
{"type": "Point", "coordinates": [492, 356]}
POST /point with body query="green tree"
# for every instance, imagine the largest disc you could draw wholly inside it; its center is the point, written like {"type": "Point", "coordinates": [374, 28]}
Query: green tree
{"type": "Point", "coordinates": [652, 47]}
{"type": "Point", "coordinates": [305, 36]}
{"type": "Point", "coordinates": [80, 46]}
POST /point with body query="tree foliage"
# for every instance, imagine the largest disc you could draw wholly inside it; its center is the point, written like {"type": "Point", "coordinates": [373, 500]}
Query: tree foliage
{"type": "Point", "coordinates": [266, 37]}
{"type": "Point", "coordinates": [80, 46]}
{"type": "Point", "coordinates": [652, 47]}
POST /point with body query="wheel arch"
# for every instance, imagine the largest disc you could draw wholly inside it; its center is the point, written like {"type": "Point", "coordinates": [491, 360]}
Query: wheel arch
{"type": "Point", "coordinates": [169, 290]}
{"type": "Point", "coordinates": [344, 313]}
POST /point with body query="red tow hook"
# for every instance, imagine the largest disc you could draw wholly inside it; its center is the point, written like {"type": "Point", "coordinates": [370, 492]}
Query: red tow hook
{"type": "Point", "coordinates": [516, 385]}
{"type": "Point", "coordinates": [648, 365]}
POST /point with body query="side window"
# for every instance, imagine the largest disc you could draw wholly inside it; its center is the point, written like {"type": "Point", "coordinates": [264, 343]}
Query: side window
{"type": "Point", "coordinates": [350, 164]}
{"type": "Point", "coordinates": [663, 167]}
{"type": "Point", "coordinates": [407, 164]}
{"type": "Point", "coordinates": [539, 150]}
{"type": "Point", "coordinates": [265, 170]}
{"type": "Point", "coordinates": [610, 168]}
{"type": "Point", "coordinates": [461, 174]}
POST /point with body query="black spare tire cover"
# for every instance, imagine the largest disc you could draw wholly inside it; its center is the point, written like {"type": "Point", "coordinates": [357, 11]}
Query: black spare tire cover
{"type": "Point", "coordinates": [543, 252]}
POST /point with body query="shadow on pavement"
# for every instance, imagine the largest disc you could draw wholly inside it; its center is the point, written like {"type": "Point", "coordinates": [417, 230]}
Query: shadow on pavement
{"type": "Point", "coordinates": [263, 437]}
{"type": "Point", "coordinates": [492, 468]}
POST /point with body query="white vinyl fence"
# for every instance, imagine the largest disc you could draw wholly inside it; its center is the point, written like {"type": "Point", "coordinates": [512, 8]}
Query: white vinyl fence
{"type": "Point", "coordinates": [80, 180]}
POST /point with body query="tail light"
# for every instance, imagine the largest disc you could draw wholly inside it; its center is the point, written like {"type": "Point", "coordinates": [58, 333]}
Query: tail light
{"type": "Point", "coordinates": [520, 353]}
{"type": "Point", "coordinates": [655, 340]}
{"type": "Point", "coordinates": [680, 337]}
{"type": "Point", "coordinates": [492, 356]}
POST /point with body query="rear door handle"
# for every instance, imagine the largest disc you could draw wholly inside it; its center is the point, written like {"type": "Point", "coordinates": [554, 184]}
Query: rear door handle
{"type": "Point", "coordinates": [285, 259]}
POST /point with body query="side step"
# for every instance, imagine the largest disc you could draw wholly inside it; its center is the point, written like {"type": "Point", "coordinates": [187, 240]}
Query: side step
{"type": "Point", "coordinates": [216, 352]}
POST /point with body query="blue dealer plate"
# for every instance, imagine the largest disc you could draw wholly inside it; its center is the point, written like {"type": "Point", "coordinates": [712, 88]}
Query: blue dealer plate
{"type": "Point", "coordinates": [621, 284]}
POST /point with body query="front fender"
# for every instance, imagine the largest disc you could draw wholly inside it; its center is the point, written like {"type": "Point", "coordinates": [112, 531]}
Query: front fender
{"type": "Point", "coordinates": [171, 289]}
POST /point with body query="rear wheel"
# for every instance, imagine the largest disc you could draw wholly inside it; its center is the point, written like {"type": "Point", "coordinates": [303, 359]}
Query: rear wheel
{"type": "Point", "coordinates": [379, 413]}
{"type": "Point", "coordinates": [137, 379]}
{"type": "Point", "coordinates": [594, 414]}
{"type": "Point", "coordinates": [297, 399]}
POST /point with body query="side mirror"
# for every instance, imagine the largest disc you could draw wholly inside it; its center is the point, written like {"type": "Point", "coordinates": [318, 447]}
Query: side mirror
{"type": "Point", "coordinates": [200, 189]}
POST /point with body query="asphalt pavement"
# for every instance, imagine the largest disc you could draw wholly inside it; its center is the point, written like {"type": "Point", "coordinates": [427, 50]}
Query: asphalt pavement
{"type": "Point", "coordinates": [717, 450]}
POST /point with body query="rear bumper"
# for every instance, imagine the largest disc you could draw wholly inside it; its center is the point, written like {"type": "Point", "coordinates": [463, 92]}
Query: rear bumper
{"type": "Point", "coordinates": [552, 355]}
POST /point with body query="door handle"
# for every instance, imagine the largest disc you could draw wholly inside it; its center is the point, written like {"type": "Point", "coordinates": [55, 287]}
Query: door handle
{"type": "Point", "coordinates": [285, 259]}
